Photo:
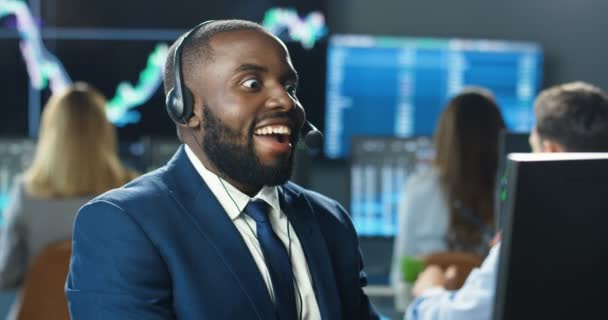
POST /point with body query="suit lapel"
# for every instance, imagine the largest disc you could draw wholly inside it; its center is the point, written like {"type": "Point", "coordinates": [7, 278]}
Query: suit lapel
{"type": "Point", "coordinates": [217, 228]}
{"type": "Point", "coordinates": [305, 224]}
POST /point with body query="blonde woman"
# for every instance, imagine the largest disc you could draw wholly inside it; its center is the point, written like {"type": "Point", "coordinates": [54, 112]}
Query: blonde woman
{"type": "Point", "coordinates": [75, 160]}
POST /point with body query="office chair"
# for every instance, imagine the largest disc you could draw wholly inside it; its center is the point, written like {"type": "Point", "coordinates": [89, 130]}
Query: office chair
{"type": "Point", "coordinates": [42, 295]}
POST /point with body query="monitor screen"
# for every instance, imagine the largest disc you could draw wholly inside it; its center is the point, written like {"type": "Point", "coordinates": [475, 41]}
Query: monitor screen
{"type": "Point", "coordinates": [380, 167]}
{"type": "Point", "coordinates": [120, 61]}
{"type": "Point", "coordinates": [508, 142]}
{"type": "Point", "coordinates": [390, 86]}
{"type": "Point", "coordinates": [553, 251]}
{"type": "Point", "coordinates": [159, 14]}
{"type": "Point", "coordinates": [16, 155]}
{"type": "Point", "coordinates": [14, 90]}
{"type": "Point", "coordinates": [117, 61]}
{"type": "Point", "coordinates": [120, 53]}
{"type": "Point", "coordinates": [512, 142]}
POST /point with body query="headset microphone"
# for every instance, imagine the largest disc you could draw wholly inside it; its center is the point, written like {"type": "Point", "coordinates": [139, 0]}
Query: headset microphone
{"type": "Point", "coordinates": [313, 138]}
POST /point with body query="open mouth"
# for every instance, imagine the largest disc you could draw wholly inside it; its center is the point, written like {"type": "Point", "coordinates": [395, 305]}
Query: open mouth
{"type": "Point", "coordinates": [274, 138]}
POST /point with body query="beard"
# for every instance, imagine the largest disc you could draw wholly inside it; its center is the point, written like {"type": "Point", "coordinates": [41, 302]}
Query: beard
{"type": "Point", "coordinates": [234, 156]}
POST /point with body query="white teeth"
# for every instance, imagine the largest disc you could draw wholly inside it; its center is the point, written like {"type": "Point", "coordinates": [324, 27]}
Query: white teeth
{"type": "Point", "coordinates": [279, 129]}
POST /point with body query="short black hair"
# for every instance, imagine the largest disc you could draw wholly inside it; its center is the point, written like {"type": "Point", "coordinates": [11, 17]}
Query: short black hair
{"type": "Point", "coordinates": [196, 49]}
{"type": "Point", "coordinates": [574, 115]}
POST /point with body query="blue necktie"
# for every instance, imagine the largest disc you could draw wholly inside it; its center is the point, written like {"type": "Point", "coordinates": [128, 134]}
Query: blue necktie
{"type": "Point", "coordinates": [277, 260]}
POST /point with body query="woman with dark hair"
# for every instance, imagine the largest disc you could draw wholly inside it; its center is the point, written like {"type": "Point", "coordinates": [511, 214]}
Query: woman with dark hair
{"type": "Point", "coordinates": [572, 117]}
{"type": "Point", "coordinates": [451, 206]}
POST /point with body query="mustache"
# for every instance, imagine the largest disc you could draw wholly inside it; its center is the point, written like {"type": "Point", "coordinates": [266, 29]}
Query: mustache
{"type": "Point", "coordinates": [290, 117]}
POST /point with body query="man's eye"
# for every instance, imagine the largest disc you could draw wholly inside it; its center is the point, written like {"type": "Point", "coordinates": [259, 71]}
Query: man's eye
{"type": "Point", "coordinates": [252, 84]}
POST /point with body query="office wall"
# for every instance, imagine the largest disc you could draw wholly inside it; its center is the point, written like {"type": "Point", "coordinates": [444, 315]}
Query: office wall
{"type": "Point", "coordinates": [573, 33]}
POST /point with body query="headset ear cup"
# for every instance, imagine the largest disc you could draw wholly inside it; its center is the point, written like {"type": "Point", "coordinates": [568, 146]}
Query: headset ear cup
{"type": "Point", "coordinates": [188, 108]}
{"type": "Point", "coordinates": [174, 108]}
{"type": "Point", "coordinates": [180, 101]}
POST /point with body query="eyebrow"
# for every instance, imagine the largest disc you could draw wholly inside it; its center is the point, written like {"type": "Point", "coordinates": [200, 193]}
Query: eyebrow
{"type": "Point", "coordinates": [251, 67]}
{"type": "Point", "coordinates": [248, 67]}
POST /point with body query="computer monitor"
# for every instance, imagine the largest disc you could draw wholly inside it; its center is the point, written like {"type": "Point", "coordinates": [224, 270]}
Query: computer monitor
{"type": "Point", "coordinates": [128, 49]}
{"type": "Point", "coordinates": [14, 91]}
{"type": "Point", "coordinates": [508, 142]}
{"type": "Point", "coordinates": [16, 155]}
{"type": "Point", "coordinates": [513, 142]}
{"type": "Point", "coordinates": [554, 245]}
{"type": "Point", "coordinates": [389, 86]}
{"type": "Point", "coordinates": [154, 14]}
{"type": "Point", "coordinates": [380, 167]}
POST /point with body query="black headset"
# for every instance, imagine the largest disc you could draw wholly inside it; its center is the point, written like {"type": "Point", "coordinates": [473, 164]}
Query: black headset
{"type": "Point", "coordinates": [179, 101]}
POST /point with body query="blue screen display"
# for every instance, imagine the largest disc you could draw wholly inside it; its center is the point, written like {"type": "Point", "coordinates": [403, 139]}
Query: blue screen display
{"type": "Point", "coordinates": [380, 168]}
{"type": "Point", "coordinates": [388, 86]}
{"type": "Point", "coordinates": [16, 154]}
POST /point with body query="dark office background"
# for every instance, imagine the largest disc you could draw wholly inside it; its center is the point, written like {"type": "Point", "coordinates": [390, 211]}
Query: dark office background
{"type": "Point", "coordinates": [571, 33]}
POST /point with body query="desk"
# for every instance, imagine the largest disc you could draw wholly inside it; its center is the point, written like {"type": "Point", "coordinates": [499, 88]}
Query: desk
{"type": "Point", "coordinates": [383, 298]}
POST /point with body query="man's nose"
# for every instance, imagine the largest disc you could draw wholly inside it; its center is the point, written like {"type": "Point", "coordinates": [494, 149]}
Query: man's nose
{"type": "Point", "coordinates": [281, 99]}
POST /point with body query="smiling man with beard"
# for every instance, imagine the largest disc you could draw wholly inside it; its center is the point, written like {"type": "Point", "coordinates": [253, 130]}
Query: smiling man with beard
{"type": "Point", "coordinates": [233, 153]}
{"type": "Point", "coordinates": [219, 232]}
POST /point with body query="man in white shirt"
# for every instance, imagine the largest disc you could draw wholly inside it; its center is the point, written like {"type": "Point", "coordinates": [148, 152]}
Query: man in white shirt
{"type": "Point", "coordinates": [219, 232]}
{"type": "Point", "coordinates": [569, 118]}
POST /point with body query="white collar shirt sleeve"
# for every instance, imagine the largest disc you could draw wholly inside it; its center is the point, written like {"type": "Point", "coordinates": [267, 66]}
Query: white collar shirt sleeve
{"type": "Point", "coordinates": [474, 301]}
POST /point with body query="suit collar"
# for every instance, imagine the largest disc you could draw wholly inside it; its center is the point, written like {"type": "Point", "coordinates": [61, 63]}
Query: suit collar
{"type": "Point", "coordinates": [209, 217]}
{"type": "Point", "coordinates": [304, 221]}
{"type": "Point", "coordinates": [230, 198]}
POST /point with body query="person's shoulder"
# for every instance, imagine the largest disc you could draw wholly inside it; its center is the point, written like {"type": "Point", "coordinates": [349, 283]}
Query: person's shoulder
{"type": "Point", "coordinates": [323, 205]}
{"type": "Point", "coordinates": [429, 174]}
{"type": "Point", "coordinates": [13, 201]}
{"type": "Point", "coordinates": [143, 201]}
{"type": "Point", "coordinates": [423, 180]}
{"type": "Point", "coordinates": [18, 186]}
{"type": "Point", "coordinates": [313, 197]}
{"type": "Point", "coordinates": [147, 189]}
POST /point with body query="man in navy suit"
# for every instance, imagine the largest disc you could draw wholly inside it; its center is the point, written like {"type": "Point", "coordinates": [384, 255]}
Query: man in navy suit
{"type": "Point", "coordinates": [219, 232]}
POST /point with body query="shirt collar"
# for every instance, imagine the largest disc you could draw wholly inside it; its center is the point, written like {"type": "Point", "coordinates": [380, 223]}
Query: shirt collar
{"type": "Point", "coordinates": [238, 200]}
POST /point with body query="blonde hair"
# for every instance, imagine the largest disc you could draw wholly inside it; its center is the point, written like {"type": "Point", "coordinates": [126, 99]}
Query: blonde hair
{"type": "Point", "coordinates": [76, 151]}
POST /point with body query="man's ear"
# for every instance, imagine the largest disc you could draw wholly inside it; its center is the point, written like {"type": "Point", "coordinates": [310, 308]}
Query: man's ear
{"type": "Point", "coordinates": [551, 146]}
{"type": "Point", "coordinates": [197, 115]}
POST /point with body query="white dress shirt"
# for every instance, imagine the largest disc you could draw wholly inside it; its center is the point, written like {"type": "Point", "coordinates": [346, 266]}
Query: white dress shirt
{"type": "Point", "coordinates": [234, 201]}
{"type": "Point", "coordinates": [474, 301]}
{"type": "Point", "coordinates": [423, 220]}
